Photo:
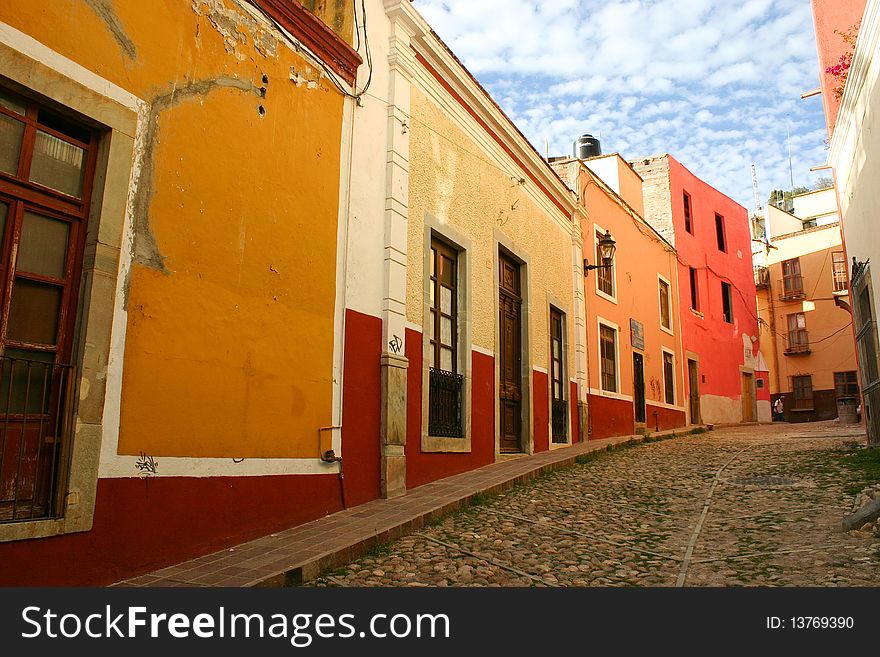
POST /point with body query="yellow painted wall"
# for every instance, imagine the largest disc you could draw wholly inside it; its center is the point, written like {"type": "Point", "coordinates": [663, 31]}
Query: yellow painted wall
{"type": "Point", "coordinates": [230, 314]}
{"type": "Point", "coordinates": [452, 178]}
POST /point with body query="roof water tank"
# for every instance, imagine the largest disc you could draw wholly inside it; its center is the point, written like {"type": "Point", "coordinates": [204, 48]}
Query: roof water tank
{"type": "Point", "coordinates": [586, 146]}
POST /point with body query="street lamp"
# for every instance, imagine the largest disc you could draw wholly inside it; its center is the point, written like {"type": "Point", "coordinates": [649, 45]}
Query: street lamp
{"type": "Point", "coordinates": [607, 248]}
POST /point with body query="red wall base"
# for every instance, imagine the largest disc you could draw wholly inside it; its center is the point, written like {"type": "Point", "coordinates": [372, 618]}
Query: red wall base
{"type": "Point", "coordinates": [425, 467]}
{"type": "Point", "coordinates": [541, 411]}
{"type": "Point", "coordinates": [610, 417]}
{"type": "Point", "coordinates": [665, 418]}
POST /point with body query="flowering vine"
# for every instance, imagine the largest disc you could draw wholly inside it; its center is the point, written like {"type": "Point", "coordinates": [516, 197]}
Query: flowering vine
{"type": "Point", "coordinates": [840, 71]}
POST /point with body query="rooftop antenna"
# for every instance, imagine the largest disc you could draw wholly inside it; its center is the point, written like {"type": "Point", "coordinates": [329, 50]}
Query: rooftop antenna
{"type": "Point", "coordinates": [790, 167]}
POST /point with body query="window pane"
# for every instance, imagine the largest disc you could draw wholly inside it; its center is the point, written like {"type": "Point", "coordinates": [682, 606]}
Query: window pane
{"type": "Point", "coordinates": [58, 165]}
{"type": "Point", "coordinates": [446, 360]}
{"type": "Point", "coordinates": [432, 331]}
{"type": "Point", "coordinates": [31, 379]}
{"type": "Point", "coordinates": [433, 261]}
{"type": "Point", "coordinates": [446, 330]}
{"type": "Point", "coordinates": [10, 102]}
{"type": "Point", "coordinates": [33, 313]}
{"type": "Point", "coordinates": [446, 300]}
{"type": "Point", "coordinates": [447, 271]}
{"type": "Point", "coordinates": [43, 246]}
{"type": "Point", "coordinates": [11, 132]}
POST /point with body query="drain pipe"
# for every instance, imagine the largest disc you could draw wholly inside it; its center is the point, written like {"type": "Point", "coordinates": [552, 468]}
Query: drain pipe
{"type": "Point", "coordinates": [330, 457]}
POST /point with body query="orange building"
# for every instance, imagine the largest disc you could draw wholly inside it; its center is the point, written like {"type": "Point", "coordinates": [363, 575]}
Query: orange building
{"type": "Point", "coordinates": [633, 333]}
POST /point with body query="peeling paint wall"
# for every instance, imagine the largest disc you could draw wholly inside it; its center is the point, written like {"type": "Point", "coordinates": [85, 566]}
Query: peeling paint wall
{"type": "Point", "coordinates": [230, 297]}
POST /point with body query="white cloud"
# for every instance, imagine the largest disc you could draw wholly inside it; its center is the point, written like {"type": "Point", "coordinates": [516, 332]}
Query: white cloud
{"type": "Point", "coordinates": [716, 84]}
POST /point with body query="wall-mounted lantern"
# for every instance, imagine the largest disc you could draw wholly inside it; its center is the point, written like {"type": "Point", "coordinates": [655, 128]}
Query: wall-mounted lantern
{"type": "Point", "coordinates": [607, 249]}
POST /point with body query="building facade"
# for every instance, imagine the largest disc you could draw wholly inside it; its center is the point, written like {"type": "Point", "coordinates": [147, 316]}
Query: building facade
{"type": "Point", "coordinates": [633, 329]}
{"type": "Point", "coordinates": [170, 359]}
{"type": "Point", "coordinates": [852, 129]}
{"type": "Point", "coordinates": [805, 315]}
{"type": "Point", "coordinates": [712, 237]}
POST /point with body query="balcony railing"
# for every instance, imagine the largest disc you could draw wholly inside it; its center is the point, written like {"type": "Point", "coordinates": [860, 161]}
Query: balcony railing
{"type": "Point", "coordinates": [798, 342]}
{"type": "Point", "coordinates": [762, 278]}
{"type": "Point", "coordinates": [445, 404]}
{"type": "Point", "coordinates": [36, 420]}
{"type": "Point", "coordinates": [791, 287]}
{"type": "Point", "coordinates": [558, 421]}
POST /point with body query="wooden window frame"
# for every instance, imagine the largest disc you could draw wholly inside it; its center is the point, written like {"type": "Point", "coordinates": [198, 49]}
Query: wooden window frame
{"type": "Point", "coordinates": [839, 272]}
{"type": "Point", "coordinates": [605, 276]}
{"type": "Point", "coordinates": [799, 400]}
{"type": "Point", "coordinates": [668, 378]}
{"type": "Point", "coordinates": [439, 250]}
{"type": "Point", "coordinates": [615, 341]}
{"type": "Point", "coordinates": [695, 289]}
{"type": "Point", "coordinates": [557, 374]}
{"type": "Point", "coordinates": [846, 384]}
{"type": "Point", "coordinates": [661, 284]}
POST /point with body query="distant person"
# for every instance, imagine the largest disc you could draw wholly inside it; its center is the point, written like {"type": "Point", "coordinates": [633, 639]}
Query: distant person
{"type": "Point", "coordinates": [779, 410]}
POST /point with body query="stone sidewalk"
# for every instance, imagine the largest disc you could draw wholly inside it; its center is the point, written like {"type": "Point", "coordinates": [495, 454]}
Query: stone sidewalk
{"type": "Point", "coordinates": [300, 554]}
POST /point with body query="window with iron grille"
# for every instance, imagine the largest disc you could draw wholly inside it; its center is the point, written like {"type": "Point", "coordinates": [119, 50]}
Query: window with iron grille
{"type": "Point", "coordinates": [688, 223]}
{"type": "Point", "coordinates": [669, 377]}
{"type": "Point", "coordinates": [798, 337]}
{"type": "Point", "coordinates": [802, 392]}
{"type": "Point", "coordinates": [46, 168]}
{"type": "Point", "coordinates": [446, 384]}
{"type": "Point", "coordinates": [846, 384]}
{"type": "Point", "coordinates": [792, 281]}
{"type": "Point", "coordinates": [839, 272]}
{"type": "Point", "coordinates": [727, 302]}
{"type": "Point", "coordinates": [665, 311]}
{"type": "Point", "coordinates": [604, 275]}
{"type": "Point", "coordinates": [608, 357]}
{"type": "Point", "coordinates": [559, 410]}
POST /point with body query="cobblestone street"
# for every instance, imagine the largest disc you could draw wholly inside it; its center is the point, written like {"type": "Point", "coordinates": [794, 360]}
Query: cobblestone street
{"type": "Point", "coordinates": [743, 506]}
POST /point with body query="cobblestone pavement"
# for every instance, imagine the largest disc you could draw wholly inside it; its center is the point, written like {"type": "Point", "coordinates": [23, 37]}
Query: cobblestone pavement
{"type": "Point", "coordinates": [752, 505]}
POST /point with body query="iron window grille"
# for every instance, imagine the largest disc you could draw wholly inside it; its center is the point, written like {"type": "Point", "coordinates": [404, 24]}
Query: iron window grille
{"type": "Point", "coordinates": [445, 404]}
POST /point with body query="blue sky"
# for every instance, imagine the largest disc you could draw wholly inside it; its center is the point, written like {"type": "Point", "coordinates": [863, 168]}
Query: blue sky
{"type": "Point", "coordinates": [716, 83]}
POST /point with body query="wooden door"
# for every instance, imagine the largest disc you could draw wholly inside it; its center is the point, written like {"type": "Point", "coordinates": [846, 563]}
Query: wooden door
{"type": "Point", "coordinates": [510, 325]}
{"type": "Point", "coordinates": [748, 398]}
{"type": "Point", "coordinates": [639, 387]}
{"type": "Point", "coordinates": [694, 391]}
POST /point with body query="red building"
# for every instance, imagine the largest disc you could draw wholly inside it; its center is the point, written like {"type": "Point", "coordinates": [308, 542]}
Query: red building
{"type": "Point", "coordinates": [719, 320]}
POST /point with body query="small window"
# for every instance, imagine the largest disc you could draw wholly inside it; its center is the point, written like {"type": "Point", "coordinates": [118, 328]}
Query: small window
{"type": "Point", "coordinates": [695, 295]}
{"type": "Point", "coordinates": [841, 279]}
{"type": "Point", "coordinates": [719, 233]}
{"type": "Point", "coordinates": [792, 281]}
{"type": "Point", "coordinates": [604, 275]}
{"type": "Point", "coordinates": [802, 392]}
{"type": "Point", "coordinates": [727, 302]}
{"type": "Point", "coordinates": [665, 312]}
{"type": "Point", "coordinates": [759, 384]}
{"type": "Point", "coordinates": [557, 376]}
{"type": "Point", "coordinates": [608, 357]}
{"type": "Point", "coordinates": [798, 337]}
{"type": "Point", "coordinates": [669, 377]}
{"type": "Point", "coordinates": [688, 224]}
{"type": "Point", "coordinates": [846, 384]}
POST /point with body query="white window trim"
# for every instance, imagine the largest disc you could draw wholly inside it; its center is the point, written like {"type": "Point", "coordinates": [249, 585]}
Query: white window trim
{"type": "Point", "coordinates": [667, 350]}
{"type": "Point", "coordinates": [600, 322]}
{"type": "Point", "coordinates": [613, 297]}
{"type": "Point", "coordinates": [667, 329]}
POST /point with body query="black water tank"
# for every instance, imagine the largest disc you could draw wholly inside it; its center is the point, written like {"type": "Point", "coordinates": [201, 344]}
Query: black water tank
{"type": "Point", "coordinates": [586, 146]}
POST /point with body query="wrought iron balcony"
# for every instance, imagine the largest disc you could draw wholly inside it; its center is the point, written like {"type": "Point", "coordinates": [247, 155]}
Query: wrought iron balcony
{"type": "Point", "coordinates": [445, 404]}
{"type": "Point", "coordinates": [791, 288]}
{"type": "Point", "coordinates": [36, 425]}
{"type": "Point", "coordinates": [558, 421]}
{"type": "Point", "coordinates": [798, 343]}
